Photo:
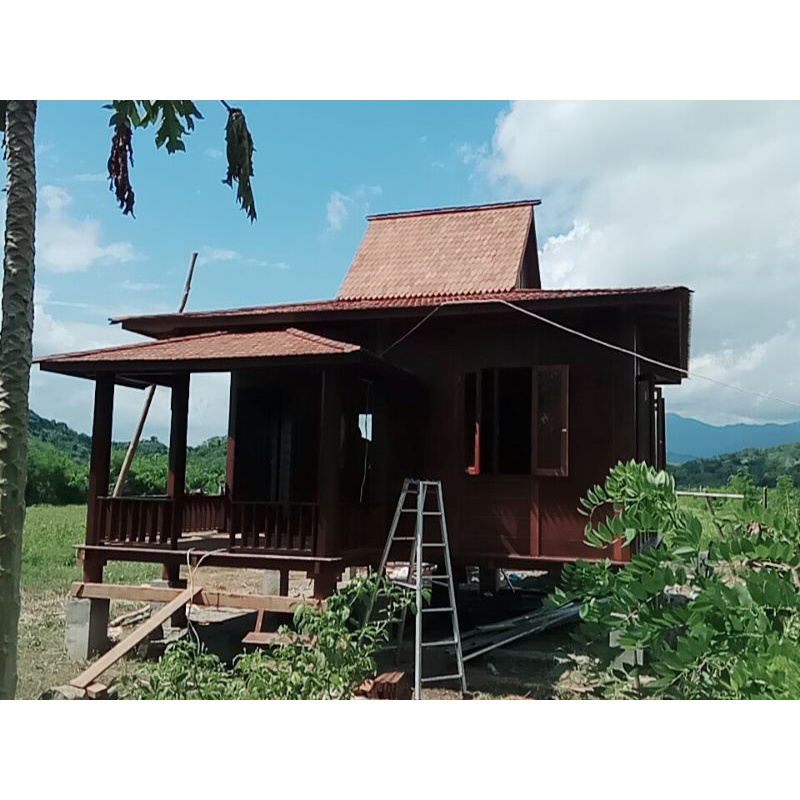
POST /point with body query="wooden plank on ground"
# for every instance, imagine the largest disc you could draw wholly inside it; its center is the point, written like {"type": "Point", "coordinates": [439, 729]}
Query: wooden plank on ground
{"type": "Point", "coordinates": [156, 594]}
{"type": "Point", "coordinates": [265, 638]}
{"type": "Point", "coordinates": [90, 675]}
{"type": "Point", "coordinates": [96, 691]}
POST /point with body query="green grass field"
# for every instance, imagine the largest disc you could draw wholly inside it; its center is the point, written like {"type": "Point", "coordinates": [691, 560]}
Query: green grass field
{"type": "Point", "coordinates": [48, 568]}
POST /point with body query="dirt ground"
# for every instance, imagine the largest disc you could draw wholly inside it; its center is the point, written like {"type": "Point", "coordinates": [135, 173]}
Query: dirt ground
{"type": "Point", "coordinates": [543, 666]}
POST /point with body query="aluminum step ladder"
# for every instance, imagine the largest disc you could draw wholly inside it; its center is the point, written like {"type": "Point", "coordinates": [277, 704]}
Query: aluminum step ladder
{"type": "Point", "coordinates": [421, 542]}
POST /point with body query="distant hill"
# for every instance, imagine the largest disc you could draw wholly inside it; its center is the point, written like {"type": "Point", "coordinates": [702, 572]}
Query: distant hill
{"type": "Point", "coordinates": [78, 446]}
{"type": "Point", "coordinates": [58, 461]}
{"type": "Point", "coordinates": [689, 439]}
{"type": "Point", "coordinates": [764, 464]}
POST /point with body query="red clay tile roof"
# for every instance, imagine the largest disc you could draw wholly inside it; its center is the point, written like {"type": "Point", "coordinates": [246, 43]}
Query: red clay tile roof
{"type": "Point", "coordinates": [213, 346]}
{"type": "Point", "coordinates": [455, 251]}
{"type": "Point", "coordinates": [315, 307]}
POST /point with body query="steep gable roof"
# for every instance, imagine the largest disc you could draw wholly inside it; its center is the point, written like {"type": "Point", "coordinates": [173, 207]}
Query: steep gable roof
{"type": "Point", "coordinates": [446, 251]}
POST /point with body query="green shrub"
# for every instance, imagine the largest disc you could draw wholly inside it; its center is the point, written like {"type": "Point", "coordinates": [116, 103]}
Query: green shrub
{"type": "Point", "coordinates": [721, 622]}
{"type": "Point", "coordinates": [327, 653]}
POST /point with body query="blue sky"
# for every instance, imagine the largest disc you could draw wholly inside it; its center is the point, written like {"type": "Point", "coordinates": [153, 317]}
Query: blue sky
{"type": "Point", "coordinates": [690, 193]}
{"type": "Point", "coordinates": [375, 156]}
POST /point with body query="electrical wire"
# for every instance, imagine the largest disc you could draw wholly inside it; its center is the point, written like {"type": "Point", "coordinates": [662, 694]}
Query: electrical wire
{"type": "Point", "coordinates": [408, 333]}
{"type": "Point", "coordinates": [191, 570]}
{"type": "Point", "coordinates": [609, 345]}
{"type": "Point", "coordinates": [620, 349]}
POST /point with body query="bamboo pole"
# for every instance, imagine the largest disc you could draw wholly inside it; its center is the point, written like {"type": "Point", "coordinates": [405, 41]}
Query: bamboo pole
{"type": "Point", "coordinates": [148, 400]}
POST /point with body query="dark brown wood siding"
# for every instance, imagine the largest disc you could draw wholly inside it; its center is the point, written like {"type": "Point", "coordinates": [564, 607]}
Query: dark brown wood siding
{"type": "Point", "coordinates": [419, 430]}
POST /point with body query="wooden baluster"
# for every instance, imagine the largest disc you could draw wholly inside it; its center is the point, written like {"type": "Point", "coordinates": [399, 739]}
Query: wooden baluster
{"type": "Point", "coordinates": [301, 531]}
{"type": "Point", "coordinates": [314, 525]}
{"type": "Point", "coordinates": [128, 511]}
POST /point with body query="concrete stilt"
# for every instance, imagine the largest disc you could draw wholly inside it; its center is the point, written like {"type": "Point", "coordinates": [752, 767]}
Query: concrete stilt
{"type": "Point", "coordinates": [86, 632]}
{"type": "Point", "coordinates": [271, 582]}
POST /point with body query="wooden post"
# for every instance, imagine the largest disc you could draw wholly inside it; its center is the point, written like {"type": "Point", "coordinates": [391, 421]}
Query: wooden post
{"type": "Point", "coordinates": [148, 400]}
{"type": "Point", "coordinates": [100, 463]}
{"type": "Point", "coordinates": [176, 477]}
{"type": "Point", "coordinates": [230, 454]}
{"type": "Point", "coordinates": [327, 539]}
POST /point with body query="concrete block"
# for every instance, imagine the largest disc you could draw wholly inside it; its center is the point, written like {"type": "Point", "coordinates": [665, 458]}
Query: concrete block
{"type": "Point", "coordinates": [271, 581]}
{"type": "Point", "coordinates": [86, 633]}
{"type": "Point", "coordinates": [626, 658]}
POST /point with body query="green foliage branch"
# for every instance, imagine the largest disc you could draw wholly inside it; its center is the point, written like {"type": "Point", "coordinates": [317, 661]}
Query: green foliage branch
{"type": "Point", "coordinates": [173, 121]}
{"type": "Point", "coordinates": [709, 613]}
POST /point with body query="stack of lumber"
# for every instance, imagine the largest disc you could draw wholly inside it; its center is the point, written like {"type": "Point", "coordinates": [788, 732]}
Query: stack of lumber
{"type": "Point", "coordinates": [386, 686]}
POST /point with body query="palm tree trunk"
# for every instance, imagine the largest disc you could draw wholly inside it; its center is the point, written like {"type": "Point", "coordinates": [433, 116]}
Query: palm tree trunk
{"type": "Point", "coordinates": [16, 344]}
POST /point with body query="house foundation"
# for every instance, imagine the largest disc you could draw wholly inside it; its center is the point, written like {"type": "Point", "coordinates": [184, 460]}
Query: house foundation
{"type": "Point", "coordinates": [87, 627]}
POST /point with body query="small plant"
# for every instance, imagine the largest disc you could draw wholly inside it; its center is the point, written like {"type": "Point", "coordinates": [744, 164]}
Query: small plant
{"type": "Point", "coordinates": [325, 655]}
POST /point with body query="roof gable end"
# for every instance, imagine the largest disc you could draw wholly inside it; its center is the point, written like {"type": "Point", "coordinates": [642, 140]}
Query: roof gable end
{"type": "Point", "coordinates": [446, 251]}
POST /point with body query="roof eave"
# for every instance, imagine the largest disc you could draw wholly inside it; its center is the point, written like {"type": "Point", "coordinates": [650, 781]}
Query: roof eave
{"type": "Point", "coordinates": [162, 326]}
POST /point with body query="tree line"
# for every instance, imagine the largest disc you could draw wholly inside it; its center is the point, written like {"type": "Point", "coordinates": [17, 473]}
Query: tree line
{"type": "Point", "coordinates": [764, 466]}
{"type": "Point", "coordinates": [58, 465]}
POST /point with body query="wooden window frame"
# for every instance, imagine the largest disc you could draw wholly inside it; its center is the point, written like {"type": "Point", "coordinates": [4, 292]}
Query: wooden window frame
{"type": "Point", "coordinates": [474, 468]}
{"type": "Point", "coordinates": [562, 471]}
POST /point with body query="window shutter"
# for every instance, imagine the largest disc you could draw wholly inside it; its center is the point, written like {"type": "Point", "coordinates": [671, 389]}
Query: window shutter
{"type": "Point", "coordinates": [550, 433]}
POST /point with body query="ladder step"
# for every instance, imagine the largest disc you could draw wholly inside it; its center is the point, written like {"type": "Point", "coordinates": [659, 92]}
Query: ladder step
{"type": "Point", "coordinates": [433, 544]}
{"type": "Point", "coordinates": [456, 676]}
{"type": "Point", "coordinates": [436, 610]}
{"type": "Point", "coordinates": [431, 513]}
{"type": "Point", "coordinates": [441, 643]}
{"type": "Point", "coordinates": [404, 539]}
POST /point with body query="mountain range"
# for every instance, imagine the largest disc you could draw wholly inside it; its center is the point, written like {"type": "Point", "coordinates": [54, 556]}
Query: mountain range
{"type": "Point", "coordinates": [688, 439]}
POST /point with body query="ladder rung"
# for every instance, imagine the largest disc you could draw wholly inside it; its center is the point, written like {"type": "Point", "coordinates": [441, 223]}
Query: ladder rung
{"type": "Point", "coordinates": [441, 643]}
{"type": "Point", "coordinates": [435, 610]}
{"type": "Point", "coordinates": [434, 544]}
{"type": "Point", "coordinates": [404, 539]}
{"type": "Point", "coordinates": [441, 579]}
{"type": "Point", "coordinates": [431, 513]}
{"type": "Point", "coordinates": [456, 676]}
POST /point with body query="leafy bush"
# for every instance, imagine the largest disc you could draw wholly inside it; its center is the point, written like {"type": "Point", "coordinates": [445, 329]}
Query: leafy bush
{"type": "Point", "coordinates": [325, 655]}
{"type": "Point", "coordinates": [53, 477]}
{"type": "Point", "coordinates": [709, 613]}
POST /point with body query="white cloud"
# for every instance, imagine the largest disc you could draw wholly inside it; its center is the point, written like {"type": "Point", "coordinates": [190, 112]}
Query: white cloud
{"type": "Point", "coordinates": [65, 244]}
{"type": "Point", "coordinates": [210, 255]}
{"type": "Point", "coordinates": [365, 191]}
{"type": "Point", "coordinates": [471, 154]}
{"type": "Point", "coordinates": [136, 286]}
{"type": "Point", "coordinates": [70, 400]}
{"type": "Point", "coordinates": [89, 177]}
{"type": "Point", "coordinates": [212, 152]}
{"type": "Point", "coordinates": [337, 211]}
{"type": "Point", "coordinates": [207, 255]}
{"type": "Point", "coordinates": [700, 194]}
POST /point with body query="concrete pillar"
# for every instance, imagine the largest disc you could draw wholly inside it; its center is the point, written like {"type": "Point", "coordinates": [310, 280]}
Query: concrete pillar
{"type": "Point", "coordinates": [86, 632]}
{"type": "Point", "coordinates": [489, 580]}
{"type": "Point", "coordinates": [271, 581]}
